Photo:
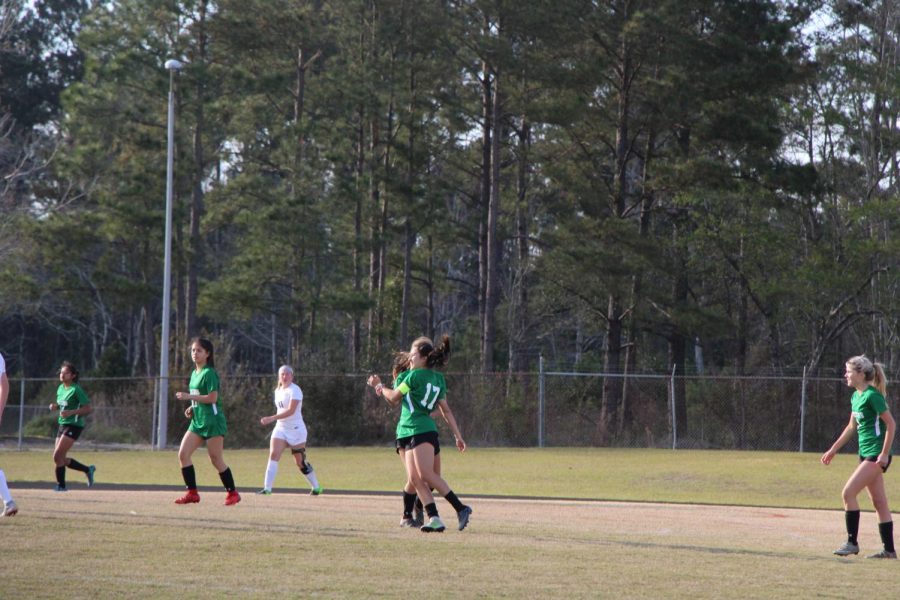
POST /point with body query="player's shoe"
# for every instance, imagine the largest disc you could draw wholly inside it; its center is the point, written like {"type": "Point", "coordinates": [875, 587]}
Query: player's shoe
{"type": "Point", "coordinates": [232, 498]}
{"type": "Point", "coordinates": [60, 488]}
{"type": "Point", "coordinates": [190, 497]}
{"type": "Point", "coordinates": [90, 475]}
{"type": "Point", "coordinates": [419, 518]}
{"type": "Point", "coordinates": [463, 516]}
{"type": "Point", "coordinates": [434, 525]}
{"type": "Point", "coordinates": [883, 554]}
{"type": "Point", "coordinates": [10, 508]}
{"type": "Point", "coordinates": [264, 492]}
{"type": "Point", "coordinates": [847, 549]}
{"type": "Point", "coordinates": [409, 522]}
{"type": "Point", "coordinates": [316, 491]}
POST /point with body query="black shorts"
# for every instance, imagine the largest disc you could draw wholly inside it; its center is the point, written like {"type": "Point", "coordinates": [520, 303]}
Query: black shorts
{"type": "Point", "coordinates": [410, 442]}
{"type": "Point", "coordinates": [70, 431]}
{"type": "Point", "coordinates": [875, 459]}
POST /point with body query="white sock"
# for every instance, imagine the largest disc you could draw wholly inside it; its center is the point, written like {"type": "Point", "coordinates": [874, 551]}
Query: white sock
{"type": "Point", "coordinates": [311, 478]}
{"type": "Point", "coordinates": [271, 471]}
{"type": "Point", "coordinates": [4, 489]}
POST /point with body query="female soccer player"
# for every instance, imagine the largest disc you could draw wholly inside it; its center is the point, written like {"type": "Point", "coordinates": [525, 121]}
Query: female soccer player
{"type": "Point", "coordinates": [289, 432]}
{"type": "Point", "coordinates": [9, 505]}
{"type": "Point", "coordinates": [73, 404]}
{"type": "Point", "coordinates": [420, 390]}
{"type": "Point", "coordinates": [207, 423]}
{"type": "Point", "coordinates": [872, 421]}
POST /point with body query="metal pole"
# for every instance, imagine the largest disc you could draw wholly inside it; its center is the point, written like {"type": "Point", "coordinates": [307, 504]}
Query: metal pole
{"type": "Point", "coordinates": [674, 419]}
{"type": "Point", "coordinates": [21, 409]}
{"type": "Point", "coordinates": [162, 422]}
{"type": "Point", "coordinates": [541, 401]}
{"type": "Point", "coordinates": [802, 408]}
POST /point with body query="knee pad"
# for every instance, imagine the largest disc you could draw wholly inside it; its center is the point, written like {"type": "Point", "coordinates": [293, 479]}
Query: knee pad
{"type": "Point", "coordinates": [305, 467]}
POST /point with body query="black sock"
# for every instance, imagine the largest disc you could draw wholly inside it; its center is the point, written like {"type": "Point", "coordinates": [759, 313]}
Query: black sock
{"type": "Point", "coordinates": [851, 517]}
{"type": "Point", "coordinates": [886, 530]}
{"type": "Point", "coordinates": [190, 477]}
{"type": "Point", "coordinates": [74, 464]}
{"type": "Point", "coordinates": [61, 476]}
{"type": "Point", "coordinates": [431, 510]}
{"type": "Point", "coordinates": [454, 501]}
{"type": "Point", "coordinates": [419, 506]}
{"type": "Point", "coordinates": [408, 501]}
{"type": "Point", "coordinates": [227, 479]}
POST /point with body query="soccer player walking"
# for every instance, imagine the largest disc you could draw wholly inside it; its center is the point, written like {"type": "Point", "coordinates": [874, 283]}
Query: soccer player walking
{"type": "Point", "coordinates": [73, 404]}
{"type": "Point", "coordinates": [9, 505]}
{"type": "Point", "coordinates": [290, 432]}
{"type": "Point", "coordinates": [419, 392]}
{"type": "Point", "coordinates": [872, 421]}
{"type": "Point", "coordinates": [207, 424]}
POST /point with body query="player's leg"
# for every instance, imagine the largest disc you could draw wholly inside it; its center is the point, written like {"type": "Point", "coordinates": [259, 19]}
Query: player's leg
{"type": "Point", "coordinates": [425, 464]}
{"type": "Point", "coordinates": [299, 453]}
{"type": "Point", "coordinates": [864, 474]}
{"type": "Point", "coordinates": [9, 505]}
{"type": "Point", "coordinates": [189, 444]}
{"type": "Point", "coordinates": [60, 458]}
{"type": "Point", "coordinates": [419, 459]}
{"type": "Point", "coordinates": [215, 447]}
{"type": "Point", "coordinates": [276, 447]}
{"type": "Point", "coordinates": [878, 495]}
{"type": "Point", "coordinates": [74, 433]}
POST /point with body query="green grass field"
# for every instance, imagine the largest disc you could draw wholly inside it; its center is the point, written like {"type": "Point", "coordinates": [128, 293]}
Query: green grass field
{"type": "Point", "coordinates": [573, 523]}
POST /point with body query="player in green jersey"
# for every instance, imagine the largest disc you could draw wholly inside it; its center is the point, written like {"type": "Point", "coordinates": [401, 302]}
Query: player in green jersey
{"type": "Point", "coordinates": [207, 424]}
{"type": "Point", "coordinates": [73, 404]}
{"type": "Point", "coordinates": [872, 421]}
{"type": "Point", "coordinates": [420, 391]}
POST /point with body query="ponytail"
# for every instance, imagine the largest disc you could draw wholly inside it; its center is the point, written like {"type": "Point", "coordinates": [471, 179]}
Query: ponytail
{"type": "Point", "coordinates": [435, 357]}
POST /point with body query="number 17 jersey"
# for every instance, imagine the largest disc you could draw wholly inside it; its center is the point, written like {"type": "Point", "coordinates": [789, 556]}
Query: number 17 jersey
{"type": "Point", "coordinates": [421, 389]}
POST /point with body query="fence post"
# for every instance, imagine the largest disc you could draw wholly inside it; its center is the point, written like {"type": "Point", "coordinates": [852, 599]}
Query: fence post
{"type": "Point", "coordinates": [541, 400]}
{"type": "Point", "coordinates": [674, 420]}
{"type": "Point", "coordinates": [21, 409]}
{"type": "Point", "coordinates": [802, 408]}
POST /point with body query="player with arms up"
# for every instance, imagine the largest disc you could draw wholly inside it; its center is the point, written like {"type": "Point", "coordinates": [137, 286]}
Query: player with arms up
{"type": "Point", "coordinates": [290, 432]}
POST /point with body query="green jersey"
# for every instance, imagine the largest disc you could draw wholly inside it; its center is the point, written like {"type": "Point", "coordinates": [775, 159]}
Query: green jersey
{"type": "Point", "coordinates": [207, 420]}
{"type": "Point", "coordinates": [421, 389]}
{"type": "Point", "coordinates": [866, 406]}
{"type": "Point", "coordinates": [71, 398]}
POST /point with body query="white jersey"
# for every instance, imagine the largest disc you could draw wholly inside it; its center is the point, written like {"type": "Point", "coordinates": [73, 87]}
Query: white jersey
{"type": "Point", "coordinates": [283, 398]}
{"type": "Point", "coordinates": [2, 365]}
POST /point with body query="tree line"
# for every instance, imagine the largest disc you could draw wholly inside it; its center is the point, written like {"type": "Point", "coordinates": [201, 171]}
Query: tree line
{"type": "Point", "coordinates": [616, 185]}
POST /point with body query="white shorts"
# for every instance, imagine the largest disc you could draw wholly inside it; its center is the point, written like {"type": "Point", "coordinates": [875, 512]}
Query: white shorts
{"type": "Point", "coordinates": [293, 434]}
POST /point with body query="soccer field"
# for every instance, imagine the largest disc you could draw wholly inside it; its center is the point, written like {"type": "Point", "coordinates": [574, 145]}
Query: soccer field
{"type": "Point", "coordinates": [130, 541]}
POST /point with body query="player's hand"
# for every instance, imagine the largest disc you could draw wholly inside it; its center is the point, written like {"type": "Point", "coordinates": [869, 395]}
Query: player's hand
{"type": "Point", "coordinates": [826, 458]}
{"type": "Point", "coordinates": [373, 380]}
{"type": "Point", "coordinates": [460, 444]}
{"type": "Point", "coordinates": [882, 460]}
{"type": "Point", "coordinates": [189, 412]}
{"type": "Point", "coordinates": [265, 420]}
{"type": "Point", "coordinates": [179, 395]}
{"type": "Point", "coordinates": [52, 407]}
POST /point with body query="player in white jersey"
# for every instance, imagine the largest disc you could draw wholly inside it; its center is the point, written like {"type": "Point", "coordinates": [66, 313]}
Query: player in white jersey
{"type": "Point", "coordinates": [289, 432]}
{"type": "Point", "coordinates": [9, 505]}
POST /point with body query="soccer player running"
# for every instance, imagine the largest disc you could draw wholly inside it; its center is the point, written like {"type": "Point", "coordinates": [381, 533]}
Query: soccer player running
{"type": "Point", "coordinates": [290, 432]}
{"type": "Point", "coordinates": [73, 404]}
{"type": "Point", "coordinates": [872, 421]}
{"type": "Point", "coordinates": [420, 390]}
{"type": "Point", "coordinates": [207, 424]}
{"type": "Point", "coordinates": [9, 505]}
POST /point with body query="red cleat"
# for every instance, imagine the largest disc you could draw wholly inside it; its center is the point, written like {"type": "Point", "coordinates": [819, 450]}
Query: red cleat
{"type": "Point", "coordinates": [232, 498]}
{"type": "Point", "coordinates": [191, 497]}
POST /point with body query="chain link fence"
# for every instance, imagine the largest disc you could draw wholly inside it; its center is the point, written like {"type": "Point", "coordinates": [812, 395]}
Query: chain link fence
{"type": "Point", "coordinates": [498, 409]}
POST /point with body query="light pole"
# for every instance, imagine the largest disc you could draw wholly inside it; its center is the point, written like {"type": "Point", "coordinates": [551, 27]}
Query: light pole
{"type": "Point", "coordinates": [162, 420]}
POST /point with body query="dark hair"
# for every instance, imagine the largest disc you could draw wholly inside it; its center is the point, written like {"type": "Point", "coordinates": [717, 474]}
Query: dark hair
{"type": "Point", "coordinates": [67, 365]}
{"type": "Point", "coordinates": [206, 345]}
{"type": "Point", "coordinates": [435, 357]}
{"type": "Point", "coordinates": [400, 364]}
